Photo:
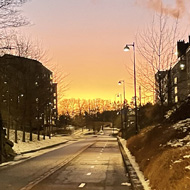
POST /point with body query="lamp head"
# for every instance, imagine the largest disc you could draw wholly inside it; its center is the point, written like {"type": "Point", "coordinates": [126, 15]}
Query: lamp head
{"type": "Point", "coordinates": [119, 83]}
{"type": "Point", "coordinates": [126, 48]}
{"type": "Point", "coordinates": [182, 66]}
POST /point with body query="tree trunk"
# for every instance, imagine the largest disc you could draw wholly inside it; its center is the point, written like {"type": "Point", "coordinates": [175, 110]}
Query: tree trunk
{"type": "Point", "coordinates": [38, 131]}
{"type": "Point", "coordinates": [16, 139]}
{"type": "Point", "coordinates": [44, 129]}
{"type": "Point", "coordinates": [30, 131]}
{"type": "Point", "coordinates": [23, 134]}
{"type": "Point", "coordinates": [161, 96]}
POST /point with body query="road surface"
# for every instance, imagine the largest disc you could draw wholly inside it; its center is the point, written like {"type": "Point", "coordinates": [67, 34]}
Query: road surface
{"type": "Point", "coordinates": [94, 163]}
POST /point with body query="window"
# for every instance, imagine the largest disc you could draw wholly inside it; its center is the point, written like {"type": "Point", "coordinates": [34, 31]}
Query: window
{"type": "Point", "coordinates": [175, 90]}
{"type": "Point", "coordinates": [176, 99]}
{"type": "Point", "coordinates": [175, 80]}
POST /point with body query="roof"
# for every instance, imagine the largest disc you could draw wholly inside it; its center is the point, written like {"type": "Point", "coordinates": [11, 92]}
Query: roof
{"type": "Point", "coordinates": [20, 63]}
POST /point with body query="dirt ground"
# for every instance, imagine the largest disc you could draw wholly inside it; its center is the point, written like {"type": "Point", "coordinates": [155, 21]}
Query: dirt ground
{"type": "Point", "coordinates": [163, 154]}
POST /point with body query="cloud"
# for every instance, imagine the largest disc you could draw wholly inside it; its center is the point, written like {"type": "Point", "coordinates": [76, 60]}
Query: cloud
{"type": "Point", "coordinates": [159, 6]}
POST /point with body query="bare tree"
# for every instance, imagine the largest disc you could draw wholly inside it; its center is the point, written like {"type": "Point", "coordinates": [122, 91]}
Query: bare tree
{"type": "Point", "coordinates": [23, 46]}
{"type": "Point", "coordinates": [10, 14]}
{"type": "Point", "coordinates": [61, 78]}
{"type": "Point", "coordinates": [156, 46]}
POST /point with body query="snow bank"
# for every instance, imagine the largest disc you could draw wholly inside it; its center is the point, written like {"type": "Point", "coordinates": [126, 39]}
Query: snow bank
{"type": "Point", "coordinates": [182, 126]}
{"type": "Point", "coordinates": [20, 146]}
{"type": "Point", "coordinates": [135, 166]}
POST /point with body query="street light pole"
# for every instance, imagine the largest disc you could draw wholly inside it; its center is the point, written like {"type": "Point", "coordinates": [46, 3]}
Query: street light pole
{"type": "Point", "coordinates": [120, 95]}
{"type": "Point", "coordinates": [124, 108]}
{"type": "Point", "coordinates": [126, 48]}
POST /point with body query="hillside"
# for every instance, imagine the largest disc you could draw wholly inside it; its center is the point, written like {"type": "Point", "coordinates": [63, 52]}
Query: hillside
{"type": "Point", "coordinates": [163, 154]}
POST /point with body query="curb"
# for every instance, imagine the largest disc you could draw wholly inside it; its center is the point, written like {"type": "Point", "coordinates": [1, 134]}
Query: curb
{"type": "Point", "coordinates": [43, 148]}
{"type": "Point", "coordinates": [134, 179]}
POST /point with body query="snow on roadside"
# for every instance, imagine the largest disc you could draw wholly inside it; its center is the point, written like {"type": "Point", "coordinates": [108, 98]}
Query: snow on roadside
{"type": "Point", "coordinates": [35, 144]}
{"type": "Point", "coordinates": [135, 166]}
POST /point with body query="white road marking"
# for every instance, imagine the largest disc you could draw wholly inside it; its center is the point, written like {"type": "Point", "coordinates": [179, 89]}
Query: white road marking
{"type": "Point", "coordinates": [82, 185]}
{"type": "Point", "coordinates": [88, 173]}
{"type": "Point", "coordinates": [126, 184]}
{"type": "Point", "coordinates": [47, 174]}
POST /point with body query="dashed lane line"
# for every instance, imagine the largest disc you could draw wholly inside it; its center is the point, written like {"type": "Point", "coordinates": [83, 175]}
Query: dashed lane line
{"type": "Point", "coordinates": [126, 184]}
{"type": "Point", "coordinates": [82, 185]}
{"type": "Point", "coordinates": [51, 171]}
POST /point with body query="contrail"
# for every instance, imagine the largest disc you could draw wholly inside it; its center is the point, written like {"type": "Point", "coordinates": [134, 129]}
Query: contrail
{"type": "Point", "coordinates": [158, 6]}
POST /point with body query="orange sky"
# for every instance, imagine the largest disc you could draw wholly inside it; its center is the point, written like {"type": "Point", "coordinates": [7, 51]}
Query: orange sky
{"type": "Point", "coordinates": [85, 39]}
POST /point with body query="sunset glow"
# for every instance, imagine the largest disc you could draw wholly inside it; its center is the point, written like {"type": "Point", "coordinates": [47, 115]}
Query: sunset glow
{"type": "Point", "coordinates": [85, 40]}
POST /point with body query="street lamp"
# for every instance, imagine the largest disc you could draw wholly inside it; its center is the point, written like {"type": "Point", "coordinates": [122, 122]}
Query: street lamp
{"type": "Point", "coordinates": [124, 107]}
{"type": "Point", "coordinates": [120, 95]}
{"type": "Point", "coordinates": [126, 48]}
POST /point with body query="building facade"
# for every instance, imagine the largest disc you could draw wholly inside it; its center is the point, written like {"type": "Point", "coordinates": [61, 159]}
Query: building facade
{"type": "Point", "coordinates": [27, 93]}
{"type": "Point", "coordinates": [175, 82]}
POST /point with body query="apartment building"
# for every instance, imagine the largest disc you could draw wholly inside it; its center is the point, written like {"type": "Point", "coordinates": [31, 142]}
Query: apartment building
{"type": "Point", "coordinates": [27, 93]}
{"type": "Point", "coordinates": [175, 82]}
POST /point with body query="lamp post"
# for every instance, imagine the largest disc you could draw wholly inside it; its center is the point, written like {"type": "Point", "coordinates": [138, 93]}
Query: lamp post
{"type": "Point", "coordinates": [126, 48]}
{"type": "Point", "coordinates": [124, 107]}
{"type": "Point", "coordinates": [120, 95]}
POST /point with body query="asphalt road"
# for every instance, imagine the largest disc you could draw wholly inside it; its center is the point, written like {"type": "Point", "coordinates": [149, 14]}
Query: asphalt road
{"type": "Point", "coordinates": [94, 163]}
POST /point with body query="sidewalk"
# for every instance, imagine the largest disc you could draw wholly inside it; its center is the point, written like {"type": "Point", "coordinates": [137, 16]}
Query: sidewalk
{"type": "Point", "coordinates": [35, 145]}
{"type": "Point", "coordinates": [29, 149]}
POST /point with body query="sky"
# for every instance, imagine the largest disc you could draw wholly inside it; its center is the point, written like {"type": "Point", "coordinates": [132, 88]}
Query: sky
{"type": "Point", "coordinates": [85, 39]}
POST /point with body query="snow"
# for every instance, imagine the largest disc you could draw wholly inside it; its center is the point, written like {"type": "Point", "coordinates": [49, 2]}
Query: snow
{"type": "Point", "coordinates": [35, 144]}
{"type": "Point", "coordinates": [135, 166]}
{"type": "Point", "coordinates": [32, 146]}
{"type": "Point", "coordinates": [22, 147]}
{"type": "Point", "coordinates": [169, 113]}
{"type": "Point", "coordinates": [177, 161]}
{"type": "Point", "coordinates": [175, 143]}
{"type": "Point", "coordinates": [182, 126]}
{"type": "Point", "coordinates": [186, 156]}
{"type": "Point", "coordinates": [187, 167]}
